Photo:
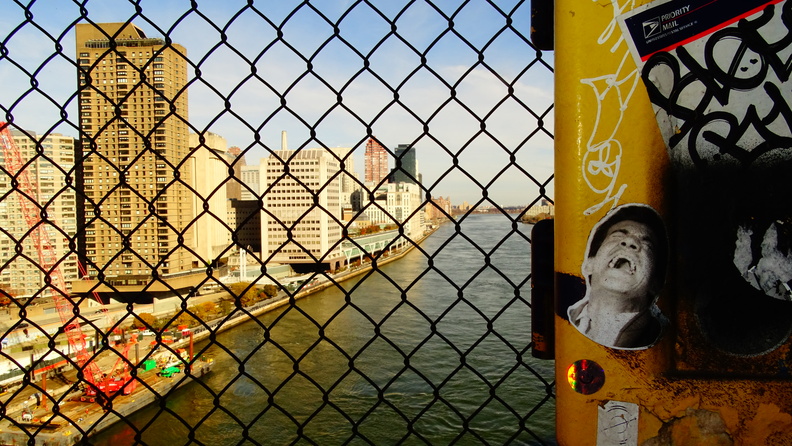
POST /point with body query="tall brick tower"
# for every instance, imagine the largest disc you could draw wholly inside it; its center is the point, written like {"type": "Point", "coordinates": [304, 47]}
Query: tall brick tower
{"type": "Point", "coordinates": [376, 162]}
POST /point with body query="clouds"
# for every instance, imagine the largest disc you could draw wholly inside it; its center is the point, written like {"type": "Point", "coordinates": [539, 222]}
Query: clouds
{"type": "Point", "coordinates": [414, 86]}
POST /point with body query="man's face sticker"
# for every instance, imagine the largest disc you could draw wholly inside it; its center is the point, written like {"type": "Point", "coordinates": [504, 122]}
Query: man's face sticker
{"type": "Point", "coordinates": [624, 262]}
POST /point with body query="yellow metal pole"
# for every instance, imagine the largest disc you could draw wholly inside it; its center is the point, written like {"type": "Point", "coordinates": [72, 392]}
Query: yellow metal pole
{"type": "Point", "coordinates": [609, 153]}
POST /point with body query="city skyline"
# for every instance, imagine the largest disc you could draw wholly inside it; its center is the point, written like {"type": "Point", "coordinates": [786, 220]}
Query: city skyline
{"type": "Point", "coordinates": [454, 135]}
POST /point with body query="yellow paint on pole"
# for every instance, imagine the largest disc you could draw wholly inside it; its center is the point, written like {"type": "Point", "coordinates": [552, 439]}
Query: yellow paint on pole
{"type": "Point", "coordinates": [609, 152]}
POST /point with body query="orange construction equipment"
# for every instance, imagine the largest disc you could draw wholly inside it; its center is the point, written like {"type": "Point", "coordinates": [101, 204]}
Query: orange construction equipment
{"type": "Point", "coordinates": [119, 378]}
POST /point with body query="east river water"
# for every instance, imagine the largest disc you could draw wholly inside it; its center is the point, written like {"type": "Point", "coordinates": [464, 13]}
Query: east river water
{"type": "Point", "coordinates": [401, 355]}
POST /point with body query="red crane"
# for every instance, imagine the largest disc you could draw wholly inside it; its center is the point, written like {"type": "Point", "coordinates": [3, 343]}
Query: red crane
{"type": "Point", "coordinates": [39, 229]}
{"type": "Point", "coordinates": [119, 378]}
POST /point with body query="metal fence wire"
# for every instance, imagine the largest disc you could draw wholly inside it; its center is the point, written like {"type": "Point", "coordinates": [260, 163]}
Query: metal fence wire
{"type": "Point", "coordinates": [128, 211]}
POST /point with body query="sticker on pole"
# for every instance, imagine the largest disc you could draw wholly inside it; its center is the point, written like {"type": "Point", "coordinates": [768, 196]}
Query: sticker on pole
{"type": "Point", "coordinates": [617, 424]}
{"type": "Point", "coordinates": [585, 376]}
{"type": "Point", "coordinates": [717, 75]}
{"type": "Point", "coordinates": [666, 24]}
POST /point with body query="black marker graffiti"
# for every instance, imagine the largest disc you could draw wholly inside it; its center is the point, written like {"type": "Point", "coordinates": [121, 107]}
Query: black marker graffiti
{"type": "Point", "coordinates": [734, 106]}
{"type": "Point", "coordinates": [723, 103]}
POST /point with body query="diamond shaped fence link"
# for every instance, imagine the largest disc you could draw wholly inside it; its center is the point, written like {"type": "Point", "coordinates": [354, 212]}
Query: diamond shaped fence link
{"type": "Point", "coordinates": [366, 371]}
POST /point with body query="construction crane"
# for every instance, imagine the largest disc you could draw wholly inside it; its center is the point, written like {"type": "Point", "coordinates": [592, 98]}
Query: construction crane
{"type": "Point", "coordinates": [118, 380]}
{"type": "Point", "coordinates": [39, 232]}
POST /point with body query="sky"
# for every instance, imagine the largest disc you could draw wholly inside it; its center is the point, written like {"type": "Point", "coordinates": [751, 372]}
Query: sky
{"type": "Point", "coordinates": [367, 76]}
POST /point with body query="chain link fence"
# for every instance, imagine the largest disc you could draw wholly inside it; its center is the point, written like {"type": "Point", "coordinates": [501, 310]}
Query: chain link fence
{"type": "Point", "coordinates": [140, 252]}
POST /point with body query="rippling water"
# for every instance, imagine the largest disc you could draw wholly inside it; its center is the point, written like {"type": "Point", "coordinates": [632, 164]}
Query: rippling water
{"type": "Point", "coordinates": [420, 352]}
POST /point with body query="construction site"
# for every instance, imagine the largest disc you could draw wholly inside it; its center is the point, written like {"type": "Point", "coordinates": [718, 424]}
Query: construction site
{"type": "Point", "coordinates": [72, 390]}
{"type": "Point", "coordinates": [61, 408]}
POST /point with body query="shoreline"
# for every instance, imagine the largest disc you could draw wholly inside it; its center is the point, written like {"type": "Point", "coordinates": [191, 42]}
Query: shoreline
{"type": "Point", "coordinates": [68, 433]}
{"type": "Point", "coordinates": [265, 306]}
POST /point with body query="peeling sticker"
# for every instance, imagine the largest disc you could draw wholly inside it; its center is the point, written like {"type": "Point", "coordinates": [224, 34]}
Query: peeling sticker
{"type": "Point", "coordinates": [617, 424]}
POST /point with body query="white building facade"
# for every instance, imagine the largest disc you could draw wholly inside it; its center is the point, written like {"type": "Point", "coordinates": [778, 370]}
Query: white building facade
{"type": "Point", "coordinates": [210, 173]}
{"type": "Point", "coordinates": [302, 208]}
{"type": "Point", "coordinates": [251, 182]}
{"type": "Point", "coordinates": [349, 178]}
{"type": "Point", "coordinates": [398, 203]}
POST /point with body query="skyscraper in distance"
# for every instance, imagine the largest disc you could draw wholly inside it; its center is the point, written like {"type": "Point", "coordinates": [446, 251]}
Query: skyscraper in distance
{"type": "Point", "coordinates": [406, 170]}
{"type": "Point", "coordinates": [376, 159]}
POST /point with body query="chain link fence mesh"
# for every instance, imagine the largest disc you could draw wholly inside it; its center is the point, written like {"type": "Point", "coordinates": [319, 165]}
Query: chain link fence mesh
{"type": "Point", "coordinates": [458, 80]}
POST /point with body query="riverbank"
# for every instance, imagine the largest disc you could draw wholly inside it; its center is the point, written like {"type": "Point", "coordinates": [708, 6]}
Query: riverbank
{"type": "Point", "coordinates": [283, 299]}
{"type": "Point", "coordinates": [333, 361]}
{"type": "Point", "coordinates": [86, 419]}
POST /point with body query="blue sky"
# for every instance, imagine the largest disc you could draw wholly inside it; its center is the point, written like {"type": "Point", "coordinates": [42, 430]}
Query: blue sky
{"type": "Point", "coordinates": [454, 135]}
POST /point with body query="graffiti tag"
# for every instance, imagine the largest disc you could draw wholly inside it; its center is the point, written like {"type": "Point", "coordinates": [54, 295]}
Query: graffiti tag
{"type": "Point", "coordinates": [726, 100]}
{"type": "Point", "coordinates": [602, 160]}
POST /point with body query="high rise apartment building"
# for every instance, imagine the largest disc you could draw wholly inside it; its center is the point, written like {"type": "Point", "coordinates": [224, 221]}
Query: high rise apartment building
{"type": "Point", "coordinates": [51, 162]}
{"type": "Point", "coordinates": [376, 159]}
{"type": "Point", "coordinates": [302, 208]}
{"type": "Point", "coordinates": [133, 122]}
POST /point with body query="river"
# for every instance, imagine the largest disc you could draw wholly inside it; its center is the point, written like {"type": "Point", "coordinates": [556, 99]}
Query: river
{"type": "Point", "coordinates": [400, 355]}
